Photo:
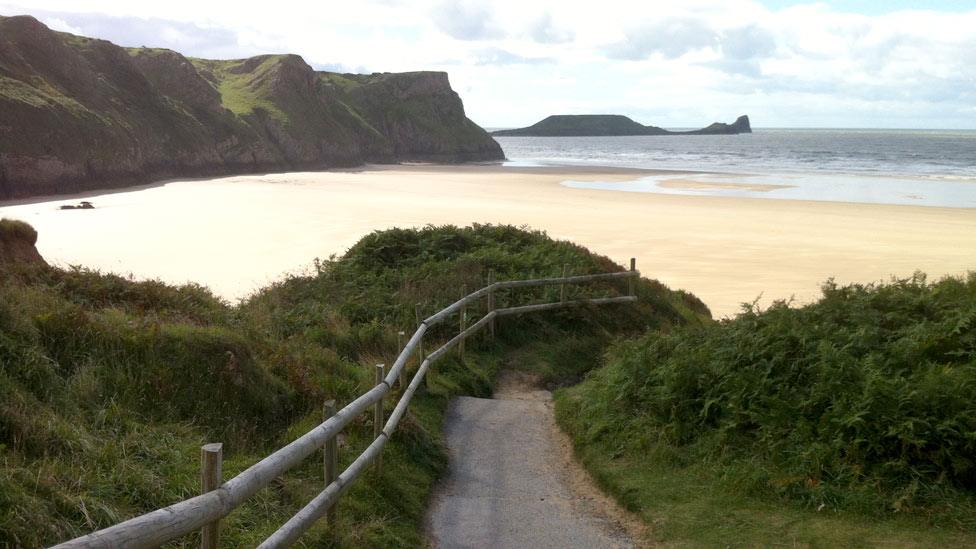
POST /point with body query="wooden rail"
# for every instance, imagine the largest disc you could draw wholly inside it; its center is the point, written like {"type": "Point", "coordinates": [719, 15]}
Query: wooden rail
{"type": "Point", "coordinates": [204, 512]}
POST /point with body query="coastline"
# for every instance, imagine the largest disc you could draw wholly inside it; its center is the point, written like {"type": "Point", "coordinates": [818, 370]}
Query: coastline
{"type": "Point", "coordinates": [726, 250]}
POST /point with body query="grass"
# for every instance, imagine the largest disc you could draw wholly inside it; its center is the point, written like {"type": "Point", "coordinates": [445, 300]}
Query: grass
{"type": "Point", "coordinates": [245, 91]}
{"type": "Point", "coordinates": [13, 229]}
{"type": "Point", "coordinates": [694, 505]}
{"type": "Point", "coordinates": [39, 93]}
{"type": "Point", "coordinates": [108, 386]}
{"type": "Point", "coordinates": [850, 421]}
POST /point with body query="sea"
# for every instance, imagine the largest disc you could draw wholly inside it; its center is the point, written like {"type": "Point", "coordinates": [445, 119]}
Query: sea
{"type": "Point", "coordinates": [905, 167]}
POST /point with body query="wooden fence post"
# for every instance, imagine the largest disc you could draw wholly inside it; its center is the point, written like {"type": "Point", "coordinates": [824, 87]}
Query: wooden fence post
{"type": "Point", "coordinates": [632, 284]}
{"type": "Point", "coordinates": [211, 476]}
{"type": "Point", "coordinates": [463, 314]}
{"type": "Point", "coordinates": [378, 414]}
{"type": "Point", "coordinates": [491, 303]}
{"type": "Point", "coordinates": [420, 348]}
{"type": "Point", "coordinates": [330, 459]}
{"type": "Point", "coordinates": [420, 352]}
{"type": "Point", "coordinates": [562, 287]}
{"type": "Point", "coordinates": [403, 370]}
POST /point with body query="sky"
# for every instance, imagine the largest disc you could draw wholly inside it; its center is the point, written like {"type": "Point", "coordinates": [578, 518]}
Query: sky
{"type": "Point", "coordinates": [859, 63]}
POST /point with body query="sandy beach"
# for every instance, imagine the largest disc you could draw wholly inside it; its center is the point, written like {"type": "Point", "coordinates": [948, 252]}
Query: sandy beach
{"type": "Point", "coordinates": [237, 234]}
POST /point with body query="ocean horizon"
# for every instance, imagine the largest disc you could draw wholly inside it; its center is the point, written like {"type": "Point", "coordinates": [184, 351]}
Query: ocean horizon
{"type": "Point", "coordinates": [875, 166]}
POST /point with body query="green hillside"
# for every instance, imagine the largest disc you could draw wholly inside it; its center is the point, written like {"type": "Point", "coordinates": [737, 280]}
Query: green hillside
{"type": "Point", "coordinates": [79, 113]}
{"type": "Point", "coordinates": [847, 422]}
{"type": "Point", "coordinates": [108, 386]}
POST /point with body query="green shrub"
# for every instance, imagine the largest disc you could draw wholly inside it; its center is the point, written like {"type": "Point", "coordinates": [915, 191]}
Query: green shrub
{"type": "Point", "coordinates": [864, 400]}
{"type": "Point", "coordinates": [13, 229]}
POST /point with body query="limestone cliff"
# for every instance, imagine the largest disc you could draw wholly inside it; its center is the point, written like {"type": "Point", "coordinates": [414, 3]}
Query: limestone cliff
{"type": "Point", "coordinates": [79, 113]}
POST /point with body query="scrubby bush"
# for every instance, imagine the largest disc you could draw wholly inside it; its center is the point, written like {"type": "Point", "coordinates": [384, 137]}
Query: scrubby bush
{"type": "Point", "coordinates": [865, 399]}
{"type": "Point", "coordinates": [13, 229]}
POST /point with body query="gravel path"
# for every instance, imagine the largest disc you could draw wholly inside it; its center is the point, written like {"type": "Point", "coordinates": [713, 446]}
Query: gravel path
{"type": "Point", "coordinates": [513, 481]}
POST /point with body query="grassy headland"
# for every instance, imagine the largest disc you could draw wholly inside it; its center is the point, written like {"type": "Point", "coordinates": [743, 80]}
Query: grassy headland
{"type": "Point", "coordinates": [850, 421]}
{"type": "Point", "coordinates": [108, 386]}
{"type": "Point", "coordinates": [91, 114]}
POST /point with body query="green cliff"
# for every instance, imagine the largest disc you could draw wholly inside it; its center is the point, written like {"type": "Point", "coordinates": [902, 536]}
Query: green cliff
{"type": "Point", "coordinates": [589, 125]}
{"type": "Point", "coordinates": [79, 113]}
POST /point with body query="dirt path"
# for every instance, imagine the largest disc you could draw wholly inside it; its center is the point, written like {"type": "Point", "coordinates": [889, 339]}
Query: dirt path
{"type": "Point", "coordinates": [513, 481]}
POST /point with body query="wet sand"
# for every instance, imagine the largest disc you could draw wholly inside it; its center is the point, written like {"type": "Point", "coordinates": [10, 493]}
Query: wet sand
{"type": "Point", "coordinates": [698, 185]}
{"type": "Point", "coordinates": [237, 234]}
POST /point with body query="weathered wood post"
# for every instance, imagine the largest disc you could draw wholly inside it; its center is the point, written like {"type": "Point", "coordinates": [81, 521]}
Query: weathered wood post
{"type": "Point", "coordinates": [420, 351]}
{"type": "Point", "coordinates": [463, 320]}
{"type": "Point", "coordinates": [378, 414]}
{"type": "Point", "coordinates": [403, 371]}
{"type": "Point", "coordinates": [491, 303]}
{"type": "Point", "coordinates": [211, 476]}
{"type": "Point", "coordinates": [330, 459]}
{"type": "Point", "coordinates": [632, 284]}
{"type": "Point", "coordinates": [420, 348]}
{"type": "Point", "coordinates": [562, 287]}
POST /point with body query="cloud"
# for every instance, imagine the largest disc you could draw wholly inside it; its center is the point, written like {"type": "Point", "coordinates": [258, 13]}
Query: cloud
{"type": "Point", "coordinates": [742, 50]}
{"type": "Point", "coordinates": [466, 20]}
{"type": "Point", "coordinates": [543, 30]}
{"type": "Point", "coordinates": [671, 38]}
{"type": "Point", "coordinates": [498, 56]}
{"type": "Point", "coordinates": [187, 38]}
{"type": "Point", "coordinates": [749, 42]}
{"type": "Point", "coordinates": [62, 25]}
{"type": "Point", "coordinates": [340, 68]}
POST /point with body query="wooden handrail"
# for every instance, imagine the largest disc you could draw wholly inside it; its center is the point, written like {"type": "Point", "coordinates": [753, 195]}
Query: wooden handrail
{"type": "Point", "coordinates": [157, 527]}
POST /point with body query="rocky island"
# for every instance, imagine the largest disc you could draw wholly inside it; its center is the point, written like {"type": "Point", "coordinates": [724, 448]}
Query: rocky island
{"type": "Point", "coordinates": [589, 125]}
{"type": "Point", "coordinates": [79, 113]}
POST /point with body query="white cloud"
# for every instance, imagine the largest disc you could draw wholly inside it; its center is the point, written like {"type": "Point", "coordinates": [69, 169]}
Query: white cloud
{"type": "Point", "coordinates": [544, 30]}
{"type": "Point", "coordinates": [672, 63]}
{"type": "Point", "coordinates": [466, 20]}
{"type": "Point", "coordinates": [62, 25]}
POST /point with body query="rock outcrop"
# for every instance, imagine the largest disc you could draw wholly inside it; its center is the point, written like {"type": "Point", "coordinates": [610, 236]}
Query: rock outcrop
{"type": "Point", "coordinates": [78, 113]}
{"type": "Point", "coordinates": [17, 245]}
{"type": "Point", "coordinates": [590, 125]}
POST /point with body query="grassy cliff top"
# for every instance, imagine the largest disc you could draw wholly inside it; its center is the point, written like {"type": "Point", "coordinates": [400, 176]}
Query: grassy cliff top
{"type": "Point", "coordinates": [16, 230]}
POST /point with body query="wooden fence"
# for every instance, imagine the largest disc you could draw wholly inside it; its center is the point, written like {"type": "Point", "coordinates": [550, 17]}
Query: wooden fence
{"type": "Point", "coordinates": [204, 512]}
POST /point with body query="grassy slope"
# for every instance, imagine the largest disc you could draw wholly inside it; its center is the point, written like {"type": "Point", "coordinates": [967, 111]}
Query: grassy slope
{"type": "Point", "coordinates": [244, 91]}
{"type": "Point", "coordinates": [108, 387]}
{"type": "Point", "coordinates": [847, 422]}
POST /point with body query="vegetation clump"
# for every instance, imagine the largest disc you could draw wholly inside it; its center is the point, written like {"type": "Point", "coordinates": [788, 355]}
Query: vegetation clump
{"type": "Point", "coordinates": [864, 401]}
{"type": "Point", "coordinates": [13, 229]}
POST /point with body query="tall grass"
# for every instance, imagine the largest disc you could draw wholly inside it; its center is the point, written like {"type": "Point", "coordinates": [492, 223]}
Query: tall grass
{"type": "Point", "coordinates": [13, 229]}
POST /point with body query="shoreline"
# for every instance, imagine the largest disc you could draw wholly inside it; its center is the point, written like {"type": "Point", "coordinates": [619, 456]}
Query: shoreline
{"type": "Point", "coordinates": [725, 250]}
{"type": "Point", "coordinates": [542, 170]}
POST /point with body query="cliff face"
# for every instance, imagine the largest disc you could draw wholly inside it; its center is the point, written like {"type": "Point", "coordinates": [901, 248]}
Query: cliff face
{"type": "Point", "coordinates": [78, 113]}
{"type": "Point", "coordinates": [589, 125]}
